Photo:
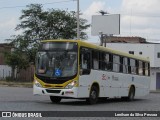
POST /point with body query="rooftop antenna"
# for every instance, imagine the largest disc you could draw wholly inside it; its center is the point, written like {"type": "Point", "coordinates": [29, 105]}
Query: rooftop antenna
{"type": "Point", "coordinates": [103, 12]}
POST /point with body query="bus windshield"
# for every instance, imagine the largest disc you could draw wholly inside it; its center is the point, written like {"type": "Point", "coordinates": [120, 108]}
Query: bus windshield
{"type": "Point", "coordinates": [57, 60]}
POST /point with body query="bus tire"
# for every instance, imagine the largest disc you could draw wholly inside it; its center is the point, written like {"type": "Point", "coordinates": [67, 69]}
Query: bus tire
{"type": "Point", "coordinates": [93, 96]}
{"type": "Point", "coordinates": [55, 99]}
{"type": "Point", "coordinates": [131, 94]}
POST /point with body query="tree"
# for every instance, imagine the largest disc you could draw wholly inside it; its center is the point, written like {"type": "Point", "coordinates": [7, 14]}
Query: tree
{"type": "Point", "coordinates": [38, 25]}
{"type": "Point", "coordinates": [51, 24]}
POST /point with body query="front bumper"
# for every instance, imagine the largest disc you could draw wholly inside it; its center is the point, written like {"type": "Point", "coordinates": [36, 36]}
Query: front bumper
{"type": "Point", "coordinates": [70, 93]}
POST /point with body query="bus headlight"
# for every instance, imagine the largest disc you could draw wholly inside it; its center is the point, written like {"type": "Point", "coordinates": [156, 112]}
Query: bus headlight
{"type": "Point", "coordinates": [71, 85]}
{"type": "Point", "coordinates": [37, 84]}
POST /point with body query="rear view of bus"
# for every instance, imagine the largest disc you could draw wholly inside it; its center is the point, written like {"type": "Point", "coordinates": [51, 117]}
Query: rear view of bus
{"type": "Point", "coordinates": [56, 70]}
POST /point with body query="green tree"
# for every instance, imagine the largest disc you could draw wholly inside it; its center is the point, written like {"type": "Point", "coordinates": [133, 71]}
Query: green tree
{"type": "Point", "coordinates": [37, 24]}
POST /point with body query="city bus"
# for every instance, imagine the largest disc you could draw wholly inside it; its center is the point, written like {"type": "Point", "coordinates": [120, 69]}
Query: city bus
{"type": "Point", "coordinates": [81, 70]}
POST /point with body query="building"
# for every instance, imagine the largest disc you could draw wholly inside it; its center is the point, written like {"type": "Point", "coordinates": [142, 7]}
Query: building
{"type": "Point", "coordinates": [126, 40]}
{"type": "Point", "coordinates": [148, 50]}
{"type": "Point", "coordinates": [5, 70]}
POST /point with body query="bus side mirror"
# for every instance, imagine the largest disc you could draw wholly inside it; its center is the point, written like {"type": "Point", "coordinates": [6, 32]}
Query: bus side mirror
{"type": "Point", "coordinates": [85, 71]}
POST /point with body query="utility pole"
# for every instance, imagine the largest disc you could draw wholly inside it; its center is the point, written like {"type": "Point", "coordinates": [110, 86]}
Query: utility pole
{"type": "Point", "coordinates": [103, 37]}
{"type": "Point", "coordinates": [78, 31]}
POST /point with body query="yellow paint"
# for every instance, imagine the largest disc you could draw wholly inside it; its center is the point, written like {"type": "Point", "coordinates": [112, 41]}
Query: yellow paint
{"type": "Point", "coordinates": [44, 85]}
{"type": "Point", "coordinates": [106, 49]}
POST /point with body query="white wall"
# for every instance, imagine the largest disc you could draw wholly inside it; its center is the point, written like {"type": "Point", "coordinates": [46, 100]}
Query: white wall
{"type": "Point", "coordinates": [156, 60]}
{"type": "Point", "coordinates": [148, 50]}
{"type": "Point", "coordinates": [153, 78]}
{"type": "Point", "coordinates": [5, 71]}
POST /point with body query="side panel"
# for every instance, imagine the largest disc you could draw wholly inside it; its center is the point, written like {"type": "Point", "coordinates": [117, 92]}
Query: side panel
{"type": "Point", "coordinates": [85, 82]}
{"type": "Point", "coordinates": [113, 84]}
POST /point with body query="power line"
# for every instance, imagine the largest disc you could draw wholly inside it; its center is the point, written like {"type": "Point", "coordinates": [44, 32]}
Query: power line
{"type": "Point", "coordinates": [41, 4]}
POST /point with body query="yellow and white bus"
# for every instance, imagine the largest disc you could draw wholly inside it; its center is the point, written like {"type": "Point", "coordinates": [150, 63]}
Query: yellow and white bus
{"type": "Point", "coordinates": [77, 69]}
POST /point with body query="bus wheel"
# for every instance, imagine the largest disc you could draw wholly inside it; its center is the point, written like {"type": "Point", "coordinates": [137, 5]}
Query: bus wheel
{"type": "Point", "coordinates": [93, 97]}
{"type": "Point", "coordinates": [131, 94]}
{"type": "Point", "coordinates": [55, 99]}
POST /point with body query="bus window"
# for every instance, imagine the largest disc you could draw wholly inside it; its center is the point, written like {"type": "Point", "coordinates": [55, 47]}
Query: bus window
{"type": "Point", "coordinates": [85, 60]}
{"type": "Point", "coordinates": [110, 67]}
{"type": "Point", "coordinates": [95, 60]}
{"type": "Point", "coordinates": [146, 69]}
{"type": "Point", "coordinates": [129, 66]}
{"type": "Point", "coordinates": [133, 64]}
{"type": "Point", "coordinates": [143, 68]}
{"type": "Point", "coordinates": [125, 65]}
{"type": "Point", "coordinates": [140, 68]}
{"type": "Point", "coordinates": [102, 61]}
{"type": "Point", "coordinates": [137, 66]}
{"type": "Point", "coordinates": [116, 63]}
{"type": "Point", "coordinates": [105, 63]}
{"type": "Point", "coordinates": [121, 64]}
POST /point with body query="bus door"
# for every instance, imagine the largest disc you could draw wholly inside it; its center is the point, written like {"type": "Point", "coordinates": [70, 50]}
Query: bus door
{"type": "Point", "coordinates": [85, 69]}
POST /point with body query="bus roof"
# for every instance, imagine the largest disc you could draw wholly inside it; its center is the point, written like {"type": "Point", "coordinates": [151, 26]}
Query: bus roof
{"type": "Point", "coordinates": [93, 46]}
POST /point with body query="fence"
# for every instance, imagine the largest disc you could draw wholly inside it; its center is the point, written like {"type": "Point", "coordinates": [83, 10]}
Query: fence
{"type": "Point", "coordinates": [23, 75]}
{"type": "Point", "coordinates": [5, 71]}
{"type": "Point", "coordinates": [26, 75]}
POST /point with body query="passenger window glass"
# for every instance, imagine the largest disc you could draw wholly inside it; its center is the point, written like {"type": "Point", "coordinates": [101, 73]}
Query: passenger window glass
{"type": "Point", "coordinates": [85, 60]}
{"type": "Point", "coordinates": [95, 58]}
{"type": "Point", "coordinates": [125, 65]}
{"type": "Point", "coordinates": [116, 63]}
{"type": "Point", "coordinates": [133, 66]}
{"type": "Point", "coordinates": [140, 68]}
{"type": "Point", "coordinates": [146, 69]}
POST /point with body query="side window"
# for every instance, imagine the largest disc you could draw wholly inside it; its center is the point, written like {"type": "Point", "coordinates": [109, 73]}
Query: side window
{"type": "Point", "coordinates": [140, 71]}
{"type": "Point", "coordinates": [121, 64]}
{"type": "Point", "coordinates": [133, 66]}
{"type": "Point", "coordinates": [129, 66]}
{"type": "Point", "coordinates": [95, 60]}
{"type": "Point", "coordinates": [146, 69]}
{"type": "Point", "coordinates": [110, 66]}
{"type": "Point", "coordinates": [116, 63]}
{"type": "Point", "coordinates": [137, 66]}
{"type": "Point", "coordinates": [158, 55]}
{"type": "Point", "coordinates": [125, 65]}
{"type": "Point", "coordinates": [108, 62]}
{"type": "Point", "coordinates": [143, 63]}
{"type": "Point", "coordinates": [85, 59]}
{"type": "Point", "coordinates": [102, 61]}
{"type": "Point", "coordinates": [105, 61]}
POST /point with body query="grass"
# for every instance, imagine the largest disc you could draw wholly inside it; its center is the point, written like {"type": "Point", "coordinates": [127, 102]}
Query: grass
{"type": "Point", "coordinates": [16, 84]}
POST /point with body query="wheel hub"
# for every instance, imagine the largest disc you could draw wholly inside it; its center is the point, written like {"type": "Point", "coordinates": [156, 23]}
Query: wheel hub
{"type": "Point", "coordinates": [93, 94]}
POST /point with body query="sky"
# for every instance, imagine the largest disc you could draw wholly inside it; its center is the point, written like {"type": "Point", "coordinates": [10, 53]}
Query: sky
{"type": "Point", "coordinates": [138, 17]}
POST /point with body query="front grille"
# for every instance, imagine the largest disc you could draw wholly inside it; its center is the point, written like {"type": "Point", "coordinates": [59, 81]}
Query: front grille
{"type": "Point", "coordinates": [54, 80]}
{"type": "Point", "coordinates": [53, 91]}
